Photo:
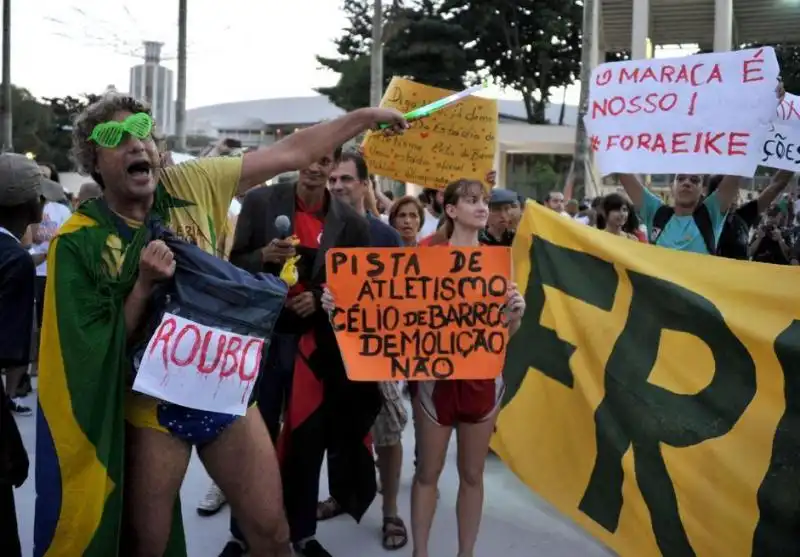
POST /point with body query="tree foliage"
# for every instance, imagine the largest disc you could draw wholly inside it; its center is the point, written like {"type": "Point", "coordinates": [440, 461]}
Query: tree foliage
{"type": "Point", "coordinates": [352, 90]}
{"type": "Point", "coordinates": [418, 44]}
{"type": "Point", "coordinates": [30, 124]}
{"type": "Point", "coordinates": [63, 111]}
{"type": "Point", "coordinates": [789, 60]}
{"type": "Point", "coordinates": [426, 47]}
{"type": "Point", "coordinates": [530, 46]}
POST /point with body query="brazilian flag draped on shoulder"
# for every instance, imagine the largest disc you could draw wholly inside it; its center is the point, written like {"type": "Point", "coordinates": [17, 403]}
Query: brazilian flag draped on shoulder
{"type": "Point", "coordinates": [80, 437]}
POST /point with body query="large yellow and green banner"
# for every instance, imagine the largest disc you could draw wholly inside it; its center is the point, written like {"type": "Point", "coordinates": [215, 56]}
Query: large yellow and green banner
{"type": "Point", "coordinates": [654, 395]}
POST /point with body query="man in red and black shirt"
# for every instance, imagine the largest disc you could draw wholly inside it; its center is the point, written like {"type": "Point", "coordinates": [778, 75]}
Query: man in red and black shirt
{"type": "Point", "coordinates": [303, 377]}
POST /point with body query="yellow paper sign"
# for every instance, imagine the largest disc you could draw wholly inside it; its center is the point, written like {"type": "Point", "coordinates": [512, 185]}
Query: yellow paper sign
{"type": "Point", "coordinates": [456, 142]}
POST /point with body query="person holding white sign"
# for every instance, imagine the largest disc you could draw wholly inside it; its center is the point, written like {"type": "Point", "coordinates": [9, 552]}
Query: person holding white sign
{"type": "Point", "coordinates": [693, 223]}
{"type": "Point", "coordinates": [103, 272]}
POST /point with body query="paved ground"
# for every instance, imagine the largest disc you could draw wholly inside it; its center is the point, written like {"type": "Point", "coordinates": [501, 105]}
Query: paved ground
{"type": "Point", "coordinates": [516, 523]}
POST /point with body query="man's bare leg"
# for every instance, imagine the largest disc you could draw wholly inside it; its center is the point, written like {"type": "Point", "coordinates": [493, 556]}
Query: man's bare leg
{"type": "Point", "coordinates": [156, 464]}
{"type": "Point", "coordinates": [243, 463]}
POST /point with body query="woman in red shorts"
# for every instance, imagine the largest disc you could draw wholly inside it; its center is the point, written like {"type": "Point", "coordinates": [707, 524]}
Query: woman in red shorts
{"type": "Point", "coordinates": [469, 406]}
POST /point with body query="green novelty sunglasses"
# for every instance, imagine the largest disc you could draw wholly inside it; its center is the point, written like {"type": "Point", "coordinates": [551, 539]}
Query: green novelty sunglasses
{"type": "Point", "coordinates": [110, 134]}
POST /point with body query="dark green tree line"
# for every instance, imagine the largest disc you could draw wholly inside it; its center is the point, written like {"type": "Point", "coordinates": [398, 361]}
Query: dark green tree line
{"type": "Point", "coordinates": [418, 44]}
{"type": "Point", "coordinates": [59, 133]}
{"type": "Point", "coordinates": [529, 46]}
{"type": "Point", "coordinates": [43, 126]}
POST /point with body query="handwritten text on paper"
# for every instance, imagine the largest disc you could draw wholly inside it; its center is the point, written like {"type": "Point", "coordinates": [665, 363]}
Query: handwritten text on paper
{"type": "Point", "coordinates": [458, 141]}
{"type": "Point", "coordinates": [707, 113]}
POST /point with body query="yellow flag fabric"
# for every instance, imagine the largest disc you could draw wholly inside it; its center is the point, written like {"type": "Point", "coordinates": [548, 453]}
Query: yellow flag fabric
{"type": "Point", "coordinates": [654, 395]}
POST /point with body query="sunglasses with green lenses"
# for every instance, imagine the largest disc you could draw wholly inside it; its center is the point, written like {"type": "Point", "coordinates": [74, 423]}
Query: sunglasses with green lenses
{"type": "Point", "coordinates": [110, 134]}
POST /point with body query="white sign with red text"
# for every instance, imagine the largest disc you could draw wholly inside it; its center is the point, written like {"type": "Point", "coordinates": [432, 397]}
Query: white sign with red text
{"type": "Point", "coordinates": [701, 114]}
{"type": "Point", "coordinates": [789, 110]}
{"type": "Point", "coordinates": [199, 367]}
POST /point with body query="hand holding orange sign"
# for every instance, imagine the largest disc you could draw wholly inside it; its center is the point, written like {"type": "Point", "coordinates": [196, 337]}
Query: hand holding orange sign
{"type": "Point", "coordinates": [420, 314]}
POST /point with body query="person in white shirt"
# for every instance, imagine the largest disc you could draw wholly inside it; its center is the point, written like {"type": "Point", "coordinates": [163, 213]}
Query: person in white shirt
{"type": "Point", "coordinates": [572, 209]}
{"type": "Point", "coordinates": [54, 215]}
{"type": "Point", "coordinates": [432, 201]}
{"type": "Point", "coordinates": [36, 241]}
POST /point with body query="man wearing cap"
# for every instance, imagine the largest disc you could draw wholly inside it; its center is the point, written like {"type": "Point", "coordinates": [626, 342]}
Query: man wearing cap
{"type": "Point", "coordinates": [498, 231]}
{"type": "Point", "coordinates": [21, 201]}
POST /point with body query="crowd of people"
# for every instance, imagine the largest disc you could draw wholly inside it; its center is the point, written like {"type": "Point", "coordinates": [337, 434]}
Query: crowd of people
{"type": "Point", "coordinates": [80, 274]}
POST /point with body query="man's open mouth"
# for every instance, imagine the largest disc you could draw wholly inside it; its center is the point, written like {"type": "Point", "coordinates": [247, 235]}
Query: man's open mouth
{"type": "Point", "coordinates": [139, 169]}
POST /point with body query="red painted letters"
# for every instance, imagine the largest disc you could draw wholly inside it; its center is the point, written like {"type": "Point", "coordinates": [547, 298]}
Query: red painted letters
{"type": "Point", "coordinates": [163, 334]}
{"type": "Point", "coordinates": [654, 102]}
{"type": "Point", "coordinates": [702, 143]}
{"type": "Point", "coordinates": [202, 365]}
{"type": "Point", "coordinates": [751, 69]}
{"type": "Point", "coordinates": [695, 75]}
{"type": "Point", "coordinates": [232, 352]}
{"type": "Point", "coordinates": [789, 109]}
{"type": "Point", "coordinates": [258, 345]}
{"type": "Point", "coordinates": [189, 347]}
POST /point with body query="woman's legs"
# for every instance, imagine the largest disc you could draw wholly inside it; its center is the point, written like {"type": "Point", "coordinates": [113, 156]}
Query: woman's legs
{"type": "Point", "coordinates": [243, 463]}
{"type": "Point", "coordinates": [432, 441]}
{"type": "Point", "coordinates": [156, 463]}
{"type": "Point", "coordinates": [473, 448]}
{"type": "Point", "coordinates": [390, 467]}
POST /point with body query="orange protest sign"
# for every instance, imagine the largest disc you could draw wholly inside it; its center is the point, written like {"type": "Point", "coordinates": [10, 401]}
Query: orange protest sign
{"type": "Point", "coordinates": [420, 313]}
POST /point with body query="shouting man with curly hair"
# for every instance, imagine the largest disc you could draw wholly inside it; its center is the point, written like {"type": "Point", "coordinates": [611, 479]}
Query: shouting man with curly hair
{"type": "Point", "coordinates": [103, 275]}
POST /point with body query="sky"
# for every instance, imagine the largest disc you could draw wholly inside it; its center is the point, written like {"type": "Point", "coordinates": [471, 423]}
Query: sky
{"type": "Point", "coordinates": [237, 49]}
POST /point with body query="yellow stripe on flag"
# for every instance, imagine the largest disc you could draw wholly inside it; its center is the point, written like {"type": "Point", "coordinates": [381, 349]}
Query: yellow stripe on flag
{"type": "Point", "coordinates": [80, 512]}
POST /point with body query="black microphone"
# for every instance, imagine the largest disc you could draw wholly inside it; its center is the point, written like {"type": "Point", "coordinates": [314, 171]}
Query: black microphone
{"type": "Point", "coordinates": [284, 226]}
